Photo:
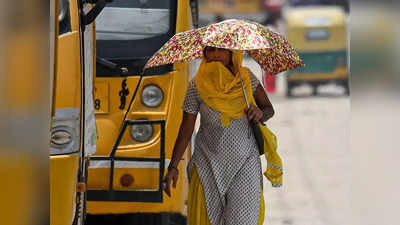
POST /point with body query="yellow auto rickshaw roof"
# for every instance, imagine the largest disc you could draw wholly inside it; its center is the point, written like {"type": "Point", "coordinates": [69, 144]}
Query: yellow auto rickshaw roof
{"type": "Point", "coordinates": [319, 16]}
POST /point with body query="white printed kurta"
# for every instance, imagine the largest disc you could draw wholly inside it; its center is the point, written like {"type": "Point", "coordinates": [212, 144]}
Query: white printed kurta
{"type": "Point", "coordinates": [227, 162]}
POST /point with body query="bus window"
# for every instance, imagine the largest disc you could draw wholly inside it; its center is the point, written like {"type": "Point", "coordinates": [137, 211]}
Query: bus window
{"type": "Point", "coordinates": [130, 32]}
{"type": "Point", "coordinates": [64, 17]}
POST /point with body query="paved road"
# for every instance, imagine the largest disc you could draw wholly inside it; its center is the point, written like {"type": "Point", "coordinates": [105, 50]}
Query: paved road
{"type": "Point", "coordinates": [313, 137]}
{"type": "Point", "coordinates": [313, 140]}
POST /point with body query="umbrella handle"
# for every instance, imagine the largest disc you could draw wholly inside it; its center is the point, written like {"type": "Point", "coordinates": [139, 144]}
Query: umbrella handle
{"type": "Point", "coordinates": [244, 90]}
{"type": "Point", "coordinates": [247, 102]}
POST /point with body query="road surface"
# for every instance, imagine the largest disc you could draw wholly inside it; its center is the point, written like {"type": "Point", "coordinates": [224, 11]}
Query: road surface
{"type": "Point", "coordinates": [313, 141]}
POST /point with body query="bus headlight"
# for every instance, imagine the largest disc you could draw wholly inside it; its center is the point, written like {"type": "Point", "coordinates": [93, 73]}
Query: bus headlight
{"type": "Point", "coordinates": [141, 132]}
{"type": "Point", "coordinates": [152, 96]}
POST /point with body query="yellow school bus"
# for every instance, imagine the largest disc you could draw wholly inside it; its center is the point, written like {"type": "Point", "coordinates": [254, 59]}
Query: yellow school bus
{"type": "Point", "coordinates": [138, 114]}
{"type": "Point", "coordinates": [73, 128]}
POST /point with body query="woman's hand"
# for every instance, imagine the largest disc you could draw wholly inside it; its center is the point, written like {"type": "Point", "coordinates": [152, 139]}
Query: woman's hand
{"type": "Point", "coordinates": [171, 175]}
{"type": "Point", "coordinates": [254, 114]}
{"type": "Point", "coordinates": [185, 133]}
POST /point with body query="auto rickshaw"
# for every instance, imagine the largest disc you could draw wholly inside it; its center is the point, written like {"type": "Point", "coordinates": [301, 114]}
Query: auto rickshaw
{"type": "Point", "coordinates": [319, 34]}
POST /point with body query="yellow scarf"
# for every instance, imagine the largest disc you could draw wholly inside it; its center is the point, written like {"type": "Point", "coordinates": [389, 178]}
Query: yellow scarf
{"type": "Point", "coordinates": [222, 91]}
{"type": "Point", "coordinates": [274, 172]}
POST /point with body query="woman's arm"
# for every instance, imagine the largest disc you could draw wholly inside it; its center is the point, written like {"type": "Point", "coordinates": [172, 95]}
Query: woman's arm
{"type": "Point", "coordinates": [184, 136]}
{"type": "Point", "coordinates": [264, 111]}
{"type": "Point", "coordinates": [264, 103]}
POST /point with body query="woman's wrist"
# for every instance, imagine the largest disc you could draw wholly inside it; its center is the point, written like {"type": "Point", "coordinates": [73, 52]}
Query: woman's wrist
{"type": "Point", "coordinates": [172, 167]}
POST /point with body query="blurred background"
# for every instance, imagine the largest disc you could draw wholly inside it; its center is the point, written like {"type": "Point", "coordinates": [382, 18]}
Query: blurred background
{"type": "Point", "coordinates": [338, 143]}
{"type": "Point", "coordinates": [24, 111]}
{"type": "Point", "coordinates": [296, 19]}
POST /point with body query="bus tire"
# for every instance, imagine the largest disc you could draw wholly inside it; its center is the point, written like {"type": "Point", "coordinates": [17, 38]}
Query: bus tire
{"type": "Point", "coordinates": [177, 219]}
{"type": "Point", "coordinates": [137, 219]}
{"type": "Point", "coordinates": [168, 219]}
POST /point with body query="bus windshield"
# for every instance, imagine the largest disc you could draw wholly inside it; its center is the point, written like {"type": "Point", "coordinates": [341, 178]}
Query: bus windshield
{"type": "Point", "coordinates": [129, 32]}
{"type": "Point", "coordinates": [133, 20]}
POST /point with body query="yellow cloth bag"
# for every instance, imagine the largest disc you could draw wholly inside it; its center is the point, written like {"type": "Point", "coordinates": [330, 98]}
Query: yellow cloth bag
{"type": "Point", "coordinates": [274, 172]}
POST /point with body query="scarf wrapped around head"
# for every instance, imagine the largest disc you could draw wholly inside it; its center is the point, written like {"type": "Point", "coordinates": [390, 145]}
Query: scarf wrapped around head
{"type": "Point", "coordinates": [221, 90]}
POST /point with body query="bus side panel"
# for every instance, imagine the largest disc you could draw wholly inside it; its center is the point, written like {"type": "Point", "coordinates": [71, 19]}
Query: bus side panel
{"type": "Point", "coordinates": [63, 173]}
{"type": "Point", "coordinates": [68, 93]}
{"type": "Point", "coordinates": [64, 168]}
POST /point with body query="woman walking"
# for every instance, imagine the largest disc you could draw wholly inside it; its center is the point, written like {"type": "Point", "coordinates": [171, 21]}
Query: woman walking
{"type": "Point", "coordinates": [225, 169]}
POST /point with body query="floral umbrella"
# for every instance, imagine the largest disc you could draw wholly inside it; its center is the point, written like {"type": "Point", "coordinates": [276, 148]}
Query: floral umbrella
{"type": "Point", "coordinates": [270, 49]}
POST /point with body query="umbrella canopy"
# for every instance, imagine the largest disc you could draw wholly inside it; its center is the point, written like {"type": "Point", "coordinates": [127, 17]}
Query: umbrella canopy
{"type": "Point", "coordinates": [270, 49]}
